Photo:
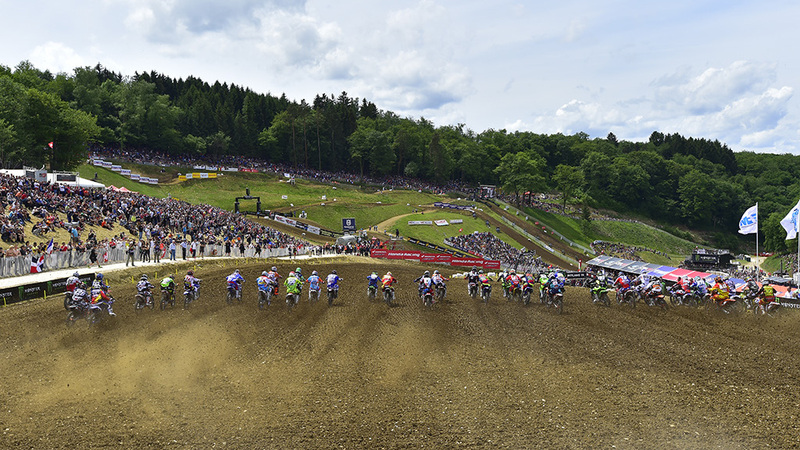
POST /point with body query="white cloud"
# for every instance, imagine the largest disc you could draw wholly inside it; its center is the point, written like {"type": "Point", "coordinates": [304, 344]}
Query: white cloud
{"type": "Point", "coordinates": [56, 56]}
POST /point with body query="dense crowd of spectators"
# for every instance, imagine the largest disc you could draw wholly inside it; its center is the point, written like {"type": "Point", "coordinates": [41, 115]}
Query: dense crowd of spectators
{"type": "Point", "coordinates": [623, 251]}
{"type": "Point", "coordinates": [491, 247]}
{"type": "Point", "coordinates": [242, 162]}
{"type": "Point", "coordinates": [154, 226]}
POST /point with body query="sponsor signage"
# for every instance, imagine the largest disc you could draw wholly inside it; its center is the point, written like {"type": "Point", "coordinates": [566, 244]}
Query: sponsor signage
{"type": "Point", "coordinates": [135, 176]}
{"type": "Point", "coordinates": [349, 224]}
{"type": "Point", "coordinates": [444, 258]}
{"type": "Point", "coordinates": [378, 253]}
{"type": "Point", "coordinates": [401, 254]}
{"type": "Point", "coordinates": [466, 262]}
{"type": "Point", "coordinates": [116, 168]}
{"type": "Point", "coordinates": [66, 177]}
{"type": "Point", "coordinates": [32, 291]}
{"type": "Point", "coordinates": [576, 275]}
{"type": "Point", "coordinates": [420, 222]}
{"type": "Point", "coordinates": [441, 223]}
{"type": "Point", "coordinates": [491, 264]}
{"type": "Point", "coordinates": [313, 229]}
{"type": "Point", "coordinates": [456, 221]}
{"type": "Point", "coordinates": [9, 296]}
{"type": "Point", "coordinates": [125, 172]}
{"type": "Point", "coordinates": [97, 162]}
{"type": "Point", "coordinates": [427, 257]}
{"type": "Point", "coordinates": [58, 286]}
{"type": "Point", "coordinates": [107, 164]}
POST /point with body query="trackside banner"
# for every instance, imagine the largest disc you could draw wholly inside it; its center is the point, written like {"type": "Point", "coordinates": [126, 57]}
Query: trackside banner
{"type": "Point", "coordinates": [378, 253]}
{"type": "Point", "coordinates": [491, 264]}
{"type": "Point", "coordinates": [466, 262]}
{"type": "Point", "coordinates": [402, 254]}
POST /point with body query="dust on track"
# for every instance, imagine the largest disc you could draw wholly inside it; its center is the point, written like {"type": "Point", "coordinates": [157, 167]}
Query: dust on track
{"type": "Point", "coordinates": [361, 374]}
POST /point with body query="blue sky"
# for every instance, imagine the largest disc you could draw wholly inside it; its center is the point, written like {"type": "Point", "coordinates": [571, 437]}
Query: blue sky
{"type": "Point", "coordinates": [723, 70]}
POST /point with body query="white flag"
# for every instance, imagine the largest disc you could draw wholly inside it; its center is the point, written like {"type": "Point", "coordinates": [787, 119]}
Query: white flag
{"type": "Point", "coordinates": [789, 222]}
{"type": "Point", "coordinates": [748, 224]}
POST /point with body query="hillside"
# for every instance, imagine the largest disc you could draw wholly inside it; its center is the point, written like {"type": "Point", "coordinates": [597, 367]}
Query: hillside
{"type": "Point", "coordinates": [360, 374]}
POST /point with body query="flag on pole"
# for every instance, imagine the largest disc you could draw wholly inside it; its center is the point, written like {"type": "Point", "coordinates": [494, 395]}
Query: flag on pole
{"type": "Point", "coordinates": [50, 144]}
{"type": "Point", "coordinates": [789, 222]}
{"type": "Point", "coordinates": [49, 250]}
{"type": "Point", "coordinates": [748, 224]}
{"type": "Point", "coordinates": [36, 264]}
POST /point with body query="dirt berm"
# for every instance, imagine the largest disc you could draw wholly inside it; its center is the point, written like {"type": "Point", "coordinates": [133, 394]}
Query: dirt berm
{"type": "Point", "coordinates": [362, 375]}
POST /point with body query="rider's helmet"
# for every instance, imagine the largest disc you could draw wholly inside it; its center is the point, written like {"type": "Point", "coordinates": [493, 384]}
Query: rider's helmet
{"type": "Point", "coordinates": [190, 273]}
{"type": "Point", "coordinates": [264, 273]}
{"type": "Point", "coordinates": [474, 268]}
{"type": "Point", "coordinates": [427, 273]}
{"type": "Point", "coordinates": [480, 272]}
{"type": "Point", "coordinates": [314, 272]}
{"type": "Point", "coordinates": [389, 273]}
{"type": "Point", "coordinates": [99, 277]}
{"type": "Point", "coordinates": [76, 274]}
{"type": "Point", "coordinates": [298, 271]}
{"type": "Point", "coordinates": [718, 279]}
{"type": "Point", "coordinates": [436, 272]}
{"type": "Point", "coordinates": [644, 272]}
{"type": "Point", "coordinates": [374, 272]}
{"type": "Point", "coordinates": [236, 271]}
{"type": "Point", "coordinates": [291, 274]}
{"type": "Point", "coordinates": [513, 272]}
{"type": "Point", "coordinates": [144, 277]}
{"type": "Point", "coordinates": [333, 271]}
{"type": "Point", "coordinates": [274, 269]}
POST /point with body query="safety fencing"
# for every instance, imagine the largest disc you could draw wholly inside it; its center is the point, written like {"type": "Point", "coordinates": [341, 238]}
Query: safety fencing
{"type": "Point", "coordinates": [22, 265]}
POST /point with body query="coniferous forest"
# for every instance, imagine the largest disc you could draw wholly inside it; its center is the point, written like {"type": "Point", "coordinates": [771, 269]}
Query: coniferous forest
{"type": "Point", "coordinates": [670, 178]}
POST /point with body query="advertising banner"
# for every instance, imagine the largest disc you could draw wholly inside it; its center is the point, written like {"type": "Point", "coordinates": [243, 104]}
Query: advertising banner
{"type": "Point", "coordinates": [420, 222]}
{"type": "Point", "coordinates": [197, 175]}
{"type": "Point", "coordinates": [441, 222]}
{"type": "Point", "coordinates": [116, 168]}
{"type": "Point", "coordinates": [135, 176]}
{"type": "Point", "coordinates": [491, 264]}
{"type": "Point", "coordinates": [456, 221]}
{"type": "Point", "coordinates": [313, 229]}
{"type": "Point", "coordinates": [9, 296]}
{"type": "Point", "coordinates": [444, 258]}
{"type": "Point", "coordinates": [204, 175]}
{"type": "Point", "coordinates": [349, 224]}
{"type": "Point", "coordinates": [212, 175]}
{"type": "Point", "coordinates": [378, 253]}
{"type": "Point", "coordinates": [466, 262]}
{"type": "Point", "coordinates": [97, 162]}
{"type": "Point", "coordinates": [32, 291]}
{"type": "Point", "coordinates": [401, 254]}
{"type": "Point", "coordinates": [427, 257]}
{"type": "Point", "coordinates": [107, 164]}
{"type": "Point", "coordinates": [125, 172]}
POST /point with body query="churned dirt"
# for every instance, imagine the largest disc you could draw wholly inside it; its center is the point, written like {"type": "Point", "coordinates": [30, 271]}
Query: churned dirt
{"type": "Point", "coordinates": [360, 374]}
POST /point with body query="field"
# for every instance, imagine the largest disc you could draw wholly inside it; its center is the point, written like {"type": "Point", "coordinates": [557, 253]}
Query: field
{"type": "Point", "coordinates": [363, 375]}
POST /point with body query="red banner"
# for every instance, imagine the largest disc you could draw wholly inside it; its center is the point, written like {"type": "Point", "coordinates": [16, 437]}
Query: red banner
{"type": "Point", "coordinates": [378, 252]}
{"type": "Point", "coordinates": [466, 262]}
{"type": "Point", "coordinates": [427, 257]}
{"type": "Point", "coordinates": [401, 254]}
{"type": "Point", "coordinates": [490, 264]}
{"type": "Point", "coordinates": [444, 258]}
{"type": "Point", "coordinates": [248, 170]}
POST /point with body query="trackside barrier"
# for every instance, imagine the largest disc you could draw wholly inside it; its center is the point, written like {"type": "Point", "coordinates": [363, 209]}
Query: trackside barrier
{"type": "Point", "coordinates": [31, 291]}
{"type": "Point", "coordinates": [437, 258]}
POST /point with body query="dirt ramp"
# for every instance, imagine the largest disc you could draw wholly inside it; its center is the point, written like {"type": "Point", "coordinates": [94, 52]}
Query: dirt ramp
{"type": "Point", "coordinates": [361, 374]}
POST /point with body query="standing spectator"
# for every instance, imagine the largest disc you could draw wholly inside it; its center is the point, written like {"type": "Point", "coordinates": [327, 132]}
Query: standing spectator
{"type": "Point", "coordinates": [130, 253]}
{"type": "Point", "coordinates": [184, 247]}
{"type": "Point", "coordinates": [172, 249]}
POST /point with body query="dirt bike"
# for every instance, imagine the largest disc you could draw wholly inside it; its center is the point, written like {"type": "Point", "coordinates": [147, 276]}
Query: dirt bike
{"type": "Point", "coordinates": [543, 294]}
{"type": "Point", "coordinates": [143, 300]}
{"type": "Point", "coordinates": [313, 295]}
{"type": "Point", "coordinates": [95, 310]}
{"type": "Point", "coordinates": [167, 297]}
{"type": "Point", "coordinates": [233, 294]}
{"type": "Point", "coordinates": [292, 300]}
{"type": "Point", "coordinates": [388, 295]}
{"type": "Point", "coordinates": [514, 292]}
{"type": "Point", "coordinates": [427, 297]}
{"type": "Point", "coordinates": [696, 299]}
{"type": "Point", "coordinates": [472, 289]}
{"type": "Point", "coordinates": [727, 306]}
{"type": "Point", "coordinates": [67, 299]}
{"type": "Point", "coordinates": [189, 295]}
{"type": "Point", "coordinates": [526, 294]}
{"type": "Point", "coordinates": [771, 309]}
{"type": "Point", "coordinates": [441, 291]}
{"type": "Point", "coordinates": [657, 300]}
{"type": "Point", "coordinates": [264, 297]}
{"type": "Point", "coordinates": [600, 295]}
{"type": "Point", "coordinates": [557, 301]}
{"type": "Point", "coordinates": [486, 292]}
{"type": "Point", "coordinates": [77, 311]}
{"type": "Point", "coordinates": [333, 293]}
{"type": "Point", "coordinates": [372, 292]}
{"type": "Point", "coordinates": [629, 296]}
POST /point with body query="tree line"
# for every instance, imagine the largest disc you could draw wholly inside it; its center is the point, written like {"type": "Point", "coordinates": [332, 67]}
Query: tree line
{"type": "Point", "coordinates": [670, 178]}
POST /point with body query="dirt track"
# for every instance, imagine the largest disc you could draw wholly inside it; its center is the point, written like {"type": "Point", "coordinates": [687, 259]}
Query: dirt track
{"type": "Point", "coordinates": [362, 375]}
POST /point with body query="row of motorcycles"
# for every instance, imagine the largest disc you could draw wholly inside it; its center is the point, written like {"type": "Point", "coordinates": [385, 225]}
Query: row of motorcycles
{"type": "Point", "coordinates": [521, 292]}
{"type": "Point", "coordinates": [735, 304]}
{"type": "Point", "coordinates": [388, 294]}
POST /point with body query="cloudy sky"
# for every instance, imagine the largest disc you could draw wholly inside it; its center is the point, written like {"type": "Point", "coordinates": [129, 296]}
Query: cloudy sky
{"type": "Point", "coordinates": [723, 70]}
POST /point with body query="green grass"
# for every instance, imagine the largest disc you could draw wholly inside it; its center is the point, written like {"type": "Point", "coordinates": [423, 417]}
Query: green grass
{"type": "Point", "coordinates": [772, 264]}
{"type": "Point", "coordinates": [641, 235]}
{"type": "Point", "coordinates": [436, 234]}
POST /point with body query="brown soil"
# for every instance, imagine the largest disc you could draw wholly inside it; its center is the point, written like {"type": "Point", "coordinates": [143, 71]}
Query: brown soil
{"type": "Point", "coordinates": [363, 375]}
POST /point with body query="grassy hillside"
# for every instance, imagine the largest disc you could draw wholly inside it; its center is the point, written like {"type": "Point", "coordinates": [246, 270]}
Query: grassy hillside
{"type": "Point", "coordinates": [437, 234]}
